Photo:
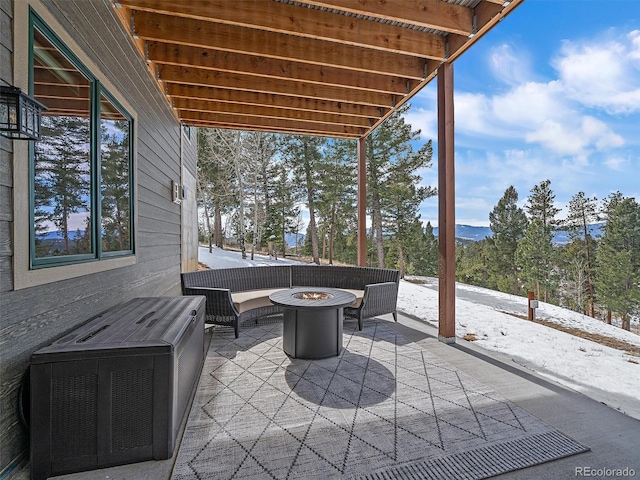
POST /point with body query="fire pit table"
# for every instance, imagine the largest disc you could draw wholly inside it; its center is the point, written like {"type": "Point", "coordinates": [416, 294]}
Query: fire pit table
{"type": "Point", "coordinates": [313, 317]}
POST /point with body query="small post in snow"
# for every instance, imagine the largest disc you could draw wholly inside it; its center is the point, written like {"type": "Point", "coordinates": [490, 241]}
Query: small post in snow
{"type": "Point", "coordinates": [533, 304]}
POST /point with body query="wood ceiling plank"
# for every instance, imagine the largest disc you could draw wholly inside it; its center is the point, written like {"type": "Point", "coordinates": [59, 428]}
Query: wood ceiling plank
{"type": "Point", "coordinates": [189, 104]}
{"type": "Point", "coordinates": [164, 28]}
{"type": "Point", "coordinates": [172, 54]}
{"type": "Point", "coordinates": [309, 23]}
{"type": "Point", "coordinates": [196, 76]}
{"type": "Point", "coordinates": [280, 124]}
{"type": "Point", "coordinates": [257, 128]}
{"type": "Point", "coordinates": [435, 14]}
{"type": "Point", "coordinates": [280, 101]}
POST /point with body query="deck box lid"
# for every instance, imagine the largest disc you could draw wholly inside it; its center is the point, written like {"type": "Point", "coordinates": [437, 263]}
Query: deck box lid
{"type": "Point", "coordinates": [149, 322]}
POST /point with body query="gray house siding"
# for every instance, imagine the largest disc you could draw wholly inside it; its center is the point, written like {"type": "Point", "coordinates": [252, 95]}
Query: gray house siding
{"type": "Point", "coordinates": [34, 316]}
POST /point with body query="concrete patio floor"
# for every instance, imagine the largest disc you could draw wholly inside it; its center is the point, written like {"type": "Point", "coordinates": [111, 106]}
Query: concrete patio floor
{"type": "Point", "coordinates": [611, 435]}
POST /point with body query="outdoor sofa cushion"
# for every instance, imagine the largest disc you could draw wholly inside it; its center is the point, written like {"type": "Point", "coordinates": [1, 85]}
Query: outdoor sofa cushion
{"type": "Point", "coordinates": [244, 301]}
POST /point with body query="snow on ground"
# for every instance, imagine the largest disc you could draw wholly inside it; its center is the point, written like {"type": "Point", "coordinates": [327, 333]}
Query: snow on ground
{"type": "Point", "coordinates": [604, 373]}
{"type": "Point", "coordinates": [562, 316]}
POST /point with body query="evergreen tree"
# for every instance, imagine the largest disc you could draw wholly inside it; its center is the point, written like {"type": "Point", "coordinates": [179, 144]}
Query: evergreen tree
{"type": "Point", "coordinates": [618, 258]}
{"type": "Point", "coordinates": [215, 182]}
{"type": "Point", "coordinates": [303, 155]}
{"type": "Point", "coordinates": [582, 213]}
{"type": "Point", "coordinates": [536, 253]}
{"type": "Point", "coordinates": [540, 206]}
{"type": "Point", "coordinates": [402, 200]}
{"type": "Point", "coordinates": [421, 251]}
{"type": "Point", "coordinates": [472, 264]}
{"type": "Point", "coordinates": [62, 180]}
{"type": "Point", "coordinates": [508, 223]}
{"type": "Point", "coordinates": [391, 161]}
{"type": "Point", "coordinates": [115, 187]}
{"type": "Point", "coordinates": [282, 211]}
{"type": "Point", "coordinates": [336, 203]}
{"type": "Point", "coordinates": [260, 148]}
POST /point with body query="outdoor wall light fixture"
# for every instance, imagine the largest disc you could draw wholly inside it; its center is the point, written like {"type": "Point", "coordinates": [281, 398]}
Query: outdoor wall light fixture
{"type": "Point", "coordinates": [20, 114]}
{"type": "Point", "coordinates": [176, 192]}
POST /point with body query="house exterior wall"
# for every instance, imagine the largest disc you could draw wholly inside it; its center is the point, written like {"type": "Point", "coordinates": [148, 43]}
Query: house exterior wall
{"type": "Point", "coordinates": [39, 306]}
{"type": "Point", "coordinates": [189, 203]}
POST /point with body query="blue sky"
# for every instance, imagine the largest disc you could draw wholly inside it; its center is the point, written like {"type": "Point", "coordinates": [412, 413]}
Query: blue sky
{"type": "Point", "coordinates": [552, 92]}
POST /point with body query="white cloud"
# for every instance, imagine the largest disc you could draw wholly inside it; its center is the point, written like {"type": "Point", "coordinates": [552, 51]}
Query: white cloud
{"type": "Point", "coordinates": [425, 120]}
{"type": "Point", "coordinates": [602, 74]}
{"type": "Point", "coordinates": [634, 37]}
{"type": "Point", "coordinates": [616, 163]}
{"type": "Point", "coordinates": [575, 140]}
{"type": "Point", "coordinates": [552, 114]}
{"type": "Point", "coordinates": [510, 67]}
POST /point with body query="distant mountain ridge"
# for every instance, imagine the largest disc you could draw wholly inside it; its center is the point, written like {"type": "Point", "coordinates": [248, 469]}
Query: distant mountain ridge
{"type": "Point", "coordinates": [476, 234]}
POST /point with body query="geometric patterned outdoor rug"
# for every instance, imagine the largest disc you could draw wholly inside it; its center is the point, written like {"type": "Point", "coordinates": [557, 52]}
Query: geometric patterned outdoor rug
{"type": "Point", "coordinates": [384, 409]}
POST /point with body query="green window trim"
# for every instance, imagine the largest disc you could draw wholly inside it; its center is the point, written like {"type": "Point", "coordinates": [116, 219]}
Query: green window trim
{"type": "Point", "coordinates": [95, 198]}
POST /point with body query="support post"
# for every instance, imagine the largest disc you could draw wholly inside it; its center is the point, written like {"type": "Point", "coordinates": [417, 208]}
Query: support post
{"type": "Point", "coordinates": [362, 202]}
{"type": "Point", "coordinates": [446, 208]}
{"type": "Point", "coordinates": [532, 304]}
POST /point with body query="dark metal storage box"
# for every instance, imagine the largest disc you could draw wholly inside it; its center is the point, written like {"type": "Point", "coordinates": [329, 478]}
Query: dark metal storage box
{"type": "Point", "coordinates": [115, 390]}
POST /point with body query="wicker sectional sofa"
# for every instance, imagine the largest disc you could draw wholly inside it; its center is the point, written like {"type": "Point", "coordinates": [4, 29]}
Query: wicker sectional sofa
{"type": "Point", "coordinates": [235, 295]}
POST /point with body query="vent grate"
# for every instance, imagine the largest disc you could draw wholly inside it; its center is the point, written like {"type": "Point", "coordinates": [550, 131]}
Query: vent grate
{"type": "Point", "coordinates": [132, 412]}
{"type": "Point", "coordinates": [74, 415]}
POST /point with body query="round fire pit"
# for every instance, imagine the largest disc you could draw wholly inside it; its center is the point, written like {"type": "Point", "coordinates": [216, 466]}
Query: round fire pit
{"type": "Point", "coordinates": [313, 296]}
{"type": "Point", "coordinates": [312, 326]}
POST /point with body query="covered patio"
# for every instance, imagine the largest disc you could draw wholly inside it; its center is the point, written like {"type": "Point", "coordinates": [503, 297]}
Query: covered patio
{"type": "Point", "coordinates": [543, 408]}
{"type": "Point", "coordinates": [335, 68]}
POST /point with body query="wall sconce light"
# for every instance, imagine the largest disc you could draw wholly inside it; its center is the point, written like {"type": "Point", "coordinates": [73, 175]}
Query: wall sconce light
{"type": "Point", "coordinates": [176, 192]}
{"type": "Point", "coordinates": [20, 114]}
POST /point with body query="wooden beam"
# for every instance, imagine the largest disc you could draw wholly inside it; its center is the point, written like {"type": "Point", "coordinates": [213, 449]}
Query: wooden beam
{"type": "Point", "coordinates": [198, 33]}
{"type": "Point", "coordinates": [213, 107]}
{"type": "Point", "coordinates": [435, 14]}
{"type": "Point", "coordinates": [198, 76]}
{"type": "Point", "coordinates": [446, 208]}
{"type": "Point", "coordinates": [281, 124]}
{"type": "Point", "coordinates": [308, 23]}
{"type": "Point", "coordinates": [362, 201]}
{"type": "Point", "coordinates": [280, 101]}
{"type": "Point", "coordinates": [231, 62]}
{"type": "Point", "coordinates": [290, 128]}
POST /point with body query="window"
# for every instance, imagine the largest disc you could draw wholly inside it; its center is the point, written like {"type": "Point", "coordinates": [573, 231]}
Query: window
{"type": "Point", "coordinates": [81, 170]}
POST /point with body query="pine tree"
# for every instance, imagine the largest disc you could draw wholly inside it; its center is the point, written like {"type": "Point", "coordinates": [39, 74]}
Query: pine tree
{"type": "Point", "coordinates": [391, 160]}
{"type": "Point", "coordinates": [618, 258]}
{"type": "Point", "coordinates": [421, 252]}
{"type": "Point", "coordinates": [472, 264]}
{"type": "Point", "coordinates": [303, 155]}
{"type": "Point", "coordinates": [115, 187]}
{"type": "Point", "coordinates": [536, 254]}
{"type": "Point", "coordinates": [582, 213]}
{"type": "Point", "coordinates": [508, 223]}
{"type": "Point", "coordinates": [403, 197]}
{"type": "Point", "coordinates": [540, 206]}
{"type": "Point", "coordinates": [336, 203]}
{"type": "Point", "coordinates": [62, 181]}
{"type": "Point", "coordinates": [283, 210]}
{"type": "Point", "coordinates": [215, 187]}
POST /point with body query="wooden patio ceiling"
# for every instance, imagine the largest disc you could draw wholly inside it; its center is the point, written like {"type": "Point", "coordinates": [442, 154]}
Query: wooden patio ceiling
{"type": "Point", "coordinates": [335, 68]}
